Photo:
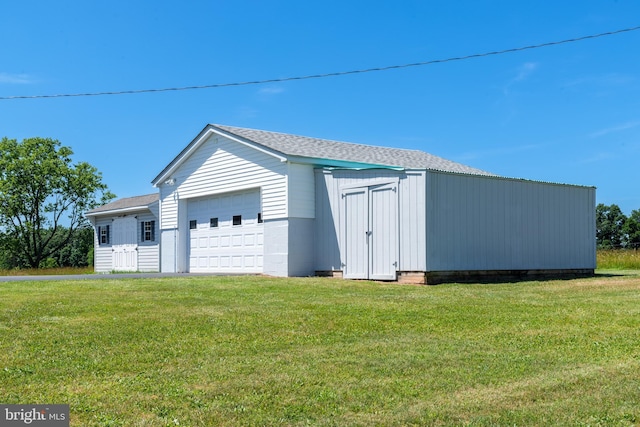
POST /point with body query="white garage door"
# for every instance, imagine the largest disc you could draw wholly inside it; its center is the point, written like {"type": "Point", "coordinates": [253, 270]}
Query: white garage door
{"type": "Point", "coordinates": [225, 234]}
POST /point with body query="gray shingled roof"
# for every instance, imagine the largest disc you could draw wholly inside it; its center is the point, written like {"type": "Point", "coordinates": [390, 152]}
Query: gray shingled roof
{"type": "Point", "coordinates": [126, 203]}
{"type": "Point", "coordinates": [302, 146]}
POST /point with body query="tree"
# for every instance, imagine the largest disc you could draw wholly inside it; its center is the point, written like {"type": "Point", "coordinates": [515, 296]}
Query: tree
{"type": "Point", "coordinates": [631, 230]}
{"type": "Point", "coordinates": [609, 223]}
{"type": "Point", "coordinates": [75, 253]}
{"type": "Point", "coordinates": [43, 196]}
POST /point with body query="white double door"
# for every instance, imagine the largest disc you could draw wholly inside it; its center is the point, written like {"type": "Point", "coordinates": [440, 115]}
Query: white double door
{"type": "Point", "coordinates": [125, 244]}
{"type": "Point", "coordinates": [370, 238]}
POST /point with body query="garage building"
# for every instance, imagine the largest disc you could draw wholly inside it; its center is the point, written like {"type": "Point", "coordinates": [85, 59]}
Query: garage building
{"type": "Point", "coordinates": [239, 200]}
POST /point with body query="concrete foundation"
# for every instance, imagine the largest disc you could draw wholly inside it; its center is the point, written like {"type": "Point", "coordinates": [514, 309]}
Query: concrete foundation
{"type": "Point", "coordinates": [484, 276]}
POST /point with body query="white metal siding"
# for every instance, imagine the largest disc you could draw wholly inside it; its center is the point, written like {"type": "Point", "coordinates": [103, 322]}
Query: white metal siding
{"type": "Point", "coordinates": [168, 207]}
{"type": "Point", "coordinates": [168, 251]}
{"type": "Point", "coordinates": [301, 198]}
{"type": "Point", "coordinates": [301, 259]}
{"type": "Point", "coordinates": [149, 251]}
{"type": "Point", "coordinates": [276, 247]}
{"type": "Point", "coordinates": [486, 223]}
{"type": "Point", "coordinates": [327, 222]}
{"type": "Point", "coordinates": [289, 247]}
{"type": "Point", "coordinates": [412, 222]}
{"type": "Point", "coordinates": [102, 254]}
{"type": "Point", "coordinates": [222, 166]}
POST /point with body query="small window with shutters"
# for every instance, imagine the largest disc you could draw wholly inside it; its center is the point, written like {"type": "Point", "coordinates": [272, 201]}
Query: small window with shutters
{"type": "Point", "coordinates": [103, 235]}
{"type": "Point", "coordinates": [148, 231]}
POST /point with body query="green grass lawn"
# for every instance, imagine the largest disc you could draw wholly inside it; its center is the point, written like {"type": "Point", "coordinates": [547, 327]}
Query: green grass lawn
{"type": "Point", "coordinates": [216, 351]}
{"type": "Point", "coordinates": [47, 271]}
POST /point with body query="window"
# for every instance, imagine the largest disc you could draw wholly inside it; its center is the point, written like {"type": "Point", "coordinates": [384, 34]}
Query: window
{"type": "Point", "coordinates": [260, 221]}
{"type": "Point", "coordinates": [103, 235]}
{"type": "Point", "coordinates": [193, 224]}
{"type": "Point", "coordinates": [213, 222]}
{"type": "Point", "coordinates": [148, 231]}
{"type": "Point", "coordinates": [237, 220]}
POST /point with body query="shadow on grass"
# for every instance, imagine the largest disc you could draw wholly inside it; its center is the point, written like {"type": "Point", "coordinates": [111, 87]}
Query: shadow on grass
{"type": "Point", "coordinates": [617, 273]}
{"type": "Point", "coordinates": [523, 277]}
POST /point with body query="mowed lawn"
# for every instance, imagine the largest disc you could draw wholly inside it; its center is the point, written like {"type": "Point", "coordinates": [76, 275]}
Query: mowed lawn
{"type": "Point", "coordinates": [229, 351]}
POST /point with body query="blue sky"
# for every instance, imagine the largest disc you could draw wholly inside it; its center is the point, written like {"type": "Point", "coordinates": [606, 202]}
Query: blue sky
{"type": "Point", "coordinates": [567, 113]}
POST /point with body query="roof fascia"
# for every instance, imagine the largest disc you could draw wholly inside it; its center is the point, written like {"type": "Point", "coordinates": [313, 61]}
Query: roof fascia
{"type": "Point", "coordinates": [199, 140]}
{"type": "Point", "coordinates": [341, 164]}
{"type": "Point", "coordinates": [120, 211]}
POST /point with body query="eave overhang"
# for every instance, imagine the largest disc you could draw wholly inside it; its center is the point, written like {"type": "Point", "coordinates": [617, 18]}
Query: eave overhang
{"type": "Point", "coordinates": [340, 164]}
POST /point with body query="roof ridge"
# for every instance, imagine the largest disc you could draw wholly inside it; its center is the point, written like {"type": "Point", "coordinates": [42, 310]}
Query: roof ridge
{"type": "Point", "coordinates": [126, 203]}
{"type": "Point", "coordinates": [321, 139]}
{"type": "Point", "coordinates": [318, 148]}
{"type": "Point", "coordinates": [135, 197]}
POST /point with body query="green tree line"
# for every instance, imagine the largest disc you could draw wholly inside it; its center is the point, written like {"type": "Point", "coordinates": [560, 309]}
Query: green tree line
{"type": "Point", "coordinates": [615, 230]}
{"type": "Point", "coordinates": [76, 252]}
{"type": "Point", "coordinates": [43, 197]}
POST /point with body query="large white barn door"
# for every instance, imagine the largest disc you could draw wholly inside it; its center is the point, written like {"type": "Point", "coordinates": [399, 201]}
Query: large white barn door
{"type": "Point", "coordinates": [356, 250]}
{"type": "Point", "coordinates": [371, 232]}
{"type": "Point", "coordinates": [383, 239]}
{"type": "Point", "coordinates": [125, 244]}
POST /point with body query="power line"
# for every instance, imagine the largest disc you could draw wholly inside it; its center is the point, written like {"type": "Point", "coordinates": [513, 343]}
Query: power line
{"type": "Point", "coordinates": [334, 74]}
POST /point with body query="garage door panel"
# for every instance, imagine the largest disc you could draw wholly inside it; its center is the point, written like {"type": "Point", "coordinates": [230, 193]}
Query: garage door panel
{"type": "Point", "coordinates": [227, 247]}
{"type": "Point", "coordinates": [249, 240]}
{"type": "Point", "coordinates": [236, 261]}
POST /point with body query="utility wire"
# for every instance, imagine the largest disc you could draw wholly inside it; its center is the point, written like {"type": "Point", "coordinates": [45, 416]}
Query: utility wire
{"type": "Point", "coordinates": [334, 74]}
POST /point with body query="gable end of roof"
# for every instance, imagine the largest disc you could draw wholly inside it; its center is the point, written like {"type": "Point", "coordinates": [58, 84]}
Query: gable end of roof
{"type": "Point", "coordinates": [321, 152]}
